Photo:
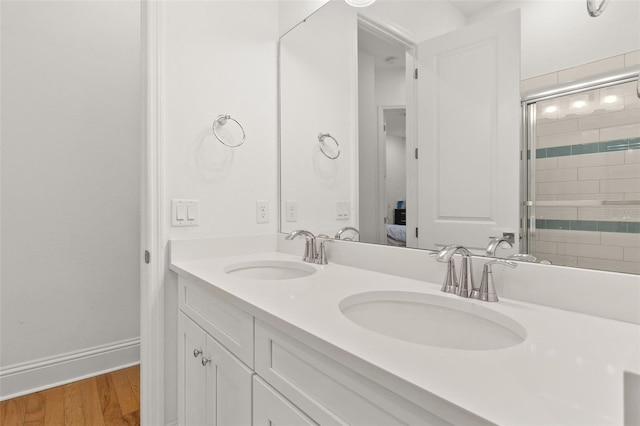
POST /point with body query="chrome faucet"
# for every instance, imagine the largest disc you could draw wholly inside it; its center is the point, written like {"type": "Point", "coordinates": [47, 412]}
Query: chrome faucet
{"type": "Point", "coordinates": [347, 228]}
{"type": "Point", "coordinates": [465, 286]}
{"type": "Point", "coordinates": [310, 244]}
{"type": "Point", "coordinates": [321, 255]}
{"type": "Point", "coordinates": [487, 291]}
{"type": "Point", "coordinates": [497, 242]}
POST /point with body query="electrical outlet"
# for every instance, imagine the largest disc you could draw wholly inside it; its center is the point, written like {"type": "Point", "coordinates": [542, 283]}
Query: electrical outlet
{"type": "Point", "coordinates": [343, 210]}
{"type": "Point", "coordinates": [291, 211]}
{"type": "Point", "coordinates": [262, 211]}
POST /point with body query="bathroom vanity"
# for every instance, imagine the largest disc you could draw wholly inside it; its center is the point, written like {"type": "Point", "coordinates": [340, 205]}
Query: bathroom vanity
{"type": "Point", "coordinates": [266, 338]}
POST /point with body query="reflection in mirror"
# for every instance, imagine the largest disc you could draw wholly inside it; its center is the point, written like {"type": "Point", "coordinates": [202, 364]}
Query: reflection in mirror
{"type": "Point", "coordinates": [464, 185]}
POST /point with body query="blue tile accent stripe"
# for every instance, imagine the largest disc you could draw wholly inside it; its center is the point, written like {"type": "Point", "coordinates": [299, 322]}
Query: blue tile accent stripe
{"type": "Point", "coordinates": [589, 225]}
{"type": "Point", "coordinates": [589, 148]}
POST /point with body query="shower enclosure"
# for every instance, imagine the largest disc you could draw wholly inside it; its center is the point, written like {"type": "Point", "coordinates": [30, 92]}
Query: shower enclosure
{"type": "Point", "coordinates": [581, 174]}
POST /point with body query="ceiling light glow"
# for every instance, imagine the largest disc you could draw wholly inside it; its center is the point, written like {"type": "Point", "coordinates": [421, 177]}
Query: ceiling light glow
{"type": "Point", "coordinates": [360, 3]}
{"type": "Point", "coordinates": [551, 109]}
{"type": "Point", "coordinates": [610, 99]}
{"type": "Point", "coordinates": [579, 104]}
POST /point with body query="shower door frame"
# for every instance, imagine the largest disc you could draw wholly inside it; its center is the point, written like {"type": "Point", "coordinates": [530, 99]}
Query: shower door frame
{"type": "Point", "coordinates": [528, 142]}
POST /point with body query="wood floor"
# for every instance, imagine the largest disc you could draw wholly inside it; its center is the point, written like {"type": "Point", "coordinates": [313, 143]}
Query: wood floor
{"type": "Point", "coordinates": [110, 399]}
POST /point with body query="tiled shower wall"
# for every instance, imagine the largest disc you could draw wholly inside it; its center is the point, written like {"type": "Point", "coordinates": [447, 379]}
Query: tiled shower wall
{"type": "Point", "coordinates": [588, 150]}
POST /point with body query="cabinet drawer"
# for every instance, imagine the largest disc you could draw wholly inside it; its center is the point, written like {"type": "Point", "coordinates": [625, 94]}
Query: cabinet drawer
{"type": "Point", "coordinates": [230, 326]}
{"type": "Point", "coordinates": [271, 408]}
{"type": "Point", "coordinates": [327, 391]}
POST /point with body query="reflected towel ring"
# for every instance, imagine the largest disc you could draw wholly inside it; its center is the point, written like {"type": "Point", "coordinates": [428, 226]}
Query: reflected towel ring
{"type": "Point", "coordinates": [221, 120]}
{"type": "Point", "coordinates": [321, 138]}
{"type": "Point", "coordinates": [596, 7]}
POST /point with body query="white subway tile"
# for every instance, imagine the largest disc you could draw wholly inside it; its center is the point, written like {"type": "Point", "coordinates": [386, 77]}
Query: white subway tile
{"type": "Point", "coordinates": [609, 265]}
{"type": "Point", "coordinates": [632, 254]}
{"type": "Point", "coordinates": [579, 187]}
{"type": "Point", "coordinates": [632, 156]}
{"type": "Point", "coordinates": [592, 160]}
{"type": "Point", "coordinates": [564, 213]}
{"type": "Point", "coordinates": [620, 185]}
{"type": "Point", "coordinates": [564, 139]}
{"type": "Point", "coordinates": [557, 127]}
{"type": "Point", "coordinates": [591, 251]}
{"type": "Point", "coordinates": [610, 213]}
{"type": "Point", "coordinates": [619, 132]}
{"type": "Point", "coordinates": [546, 197]}
{"type": "Point", "coordinates": [632, 58]}
{"type": "Point", "coordinates": [620, 239]}
{"type": "Point", "coordinates": [610, 119]}
{"type": "Point", "coordinates": [574, 197]}
{"type": "Point", "coordinates": [539, 82]}
{"type": "Point", "coordinates": [592, 68]}
{"type": "Point", "coordinates": [559, 175]}
{"type": "Point", "coordinates": [546, 247]}
{"type": "Point", "coordinates": [626, 171]}
{"type": "Point", "coordinates": [632, 196]}
{"type": "Point", "coordinates": [575, 237]}
{"type": "Point", "coordinates": [547, 163]}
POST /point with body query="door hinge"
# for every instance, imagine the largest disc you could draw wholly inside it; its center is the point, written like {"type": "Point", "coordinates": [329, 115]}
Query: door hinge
{"type": "Point", "coordinates": [415, 73]}
{"type": "Point", "coordinates": [384, 127]}
{"type": "Point", "coordinates": [147, 257]}
{"type": "Point", "coordinates": [416, 232]}
{"type": "Point", "coordinates": [416, 153]}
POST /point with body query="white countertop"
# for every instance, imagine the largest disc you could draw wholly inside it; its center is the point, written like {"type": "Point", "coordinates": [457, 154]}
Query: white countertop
{"type": "Point", "coordinates": [568, 371]}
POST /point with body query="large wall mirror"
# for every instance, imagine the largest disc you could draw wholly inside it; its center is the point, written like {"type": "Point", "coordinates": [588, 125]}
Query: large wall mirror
{"type": "Point", "coordinates": [404, 121]}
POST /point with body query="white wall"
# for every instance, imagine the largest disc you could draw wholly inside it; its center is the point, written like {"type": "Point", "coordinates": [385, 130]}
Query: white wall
{"type": "Point", "coordinates": [391, 86]}
{"type": "Point", "coordinates": [560, 34]}
{"type": "Point", "coordinates": [70, 178]}
{"type": "Point", "coordinates": [219, 57]}
{"type": "Point", "coordinates": [292, 12]}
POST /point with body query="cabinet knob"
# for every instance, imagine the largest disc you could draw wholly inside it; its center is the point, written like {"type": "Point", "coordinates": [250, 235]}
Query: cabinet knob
{"type": "Point", "coordinates": [197, 353]}
{"type": "Point", "coordinates": [205, 361]}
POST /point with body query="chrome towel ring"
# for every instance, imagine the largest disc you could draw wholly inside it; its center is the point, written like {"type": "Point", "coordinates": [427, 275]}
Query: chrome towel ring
{"type": "Point", "coordinates": [321, 138]}
{"type": "Point", "coordinates": [596, 7]}
{"type": "Point", "coordinates": [221, 120]}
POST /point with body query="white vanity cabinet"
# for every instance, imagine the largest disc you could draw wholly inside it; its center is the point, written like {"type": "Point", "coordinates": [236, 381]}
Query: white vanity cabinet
{"type": "Point", "coordinates": [293, 383]}
{"type": "Point", "coordinates": [214, 386]}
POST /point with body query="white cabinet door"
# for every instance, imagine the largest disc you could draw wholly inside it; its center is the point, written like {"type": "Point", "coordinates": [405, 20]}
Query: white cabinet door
{"type": "Point", "coordinates": [272, 409]}
{"type": "Point", "coordinates": [192, 379]}
{"type": "Point", "coordinates": [468, 134]}
{"type": "Point", "coordinates": [214, 387]}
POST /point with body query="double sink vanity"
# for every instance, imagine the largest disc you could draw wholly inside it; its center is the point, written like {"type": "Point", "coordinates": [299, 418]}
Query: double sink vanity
{"type": "Point", "coordinates": [267, 338]}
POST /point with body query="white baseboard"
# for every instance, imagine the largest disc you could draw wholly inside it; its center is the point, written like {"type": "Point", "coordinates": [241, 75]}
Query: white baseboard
{"type": "Point", "coordinates": [24, 378]}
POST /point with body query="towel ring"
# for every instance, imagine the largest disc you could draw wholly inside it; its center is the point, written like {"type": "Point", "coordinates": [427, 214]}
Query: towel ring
{"type": "Point", "coordinates": [596, 7]}
{"type": "Point", "coordinates": [321, 138]}
{"type": "Point", "coordinates": [221, 120]}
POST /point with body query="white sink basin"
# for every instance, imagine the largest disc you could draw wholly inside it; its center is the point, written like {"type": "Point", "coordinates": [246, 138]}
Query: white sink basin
{"type": "Point", "coordinates": [433, 320]}
{"type": "Point", "coordinates": [270, 270]}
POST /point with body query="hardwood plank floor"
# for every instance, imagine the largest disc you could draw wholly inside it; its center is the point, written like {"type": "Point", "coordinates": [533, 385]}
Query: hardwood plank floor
{"type": "Point", "coordinates": [110, 399]}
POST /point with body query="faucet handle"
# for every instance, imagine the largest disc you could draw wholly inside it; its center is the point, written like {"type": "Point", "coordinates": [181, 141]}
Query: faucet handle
{"type": "Point", "coordinates": [487, 291]}
{"type": "Point", "coordinates": [321, 256]}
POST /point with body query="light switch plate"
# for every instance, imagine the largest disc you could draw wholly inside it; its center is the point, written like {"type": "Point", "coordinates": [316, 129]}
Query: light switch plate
{"type": "Point", "coordinates": [185, 213]}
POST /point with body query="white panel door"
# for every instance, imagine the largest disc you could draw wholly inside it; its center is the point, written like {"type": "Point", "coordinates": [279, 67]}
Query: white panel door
{"type": "Point", "coordinates": [468, 97]}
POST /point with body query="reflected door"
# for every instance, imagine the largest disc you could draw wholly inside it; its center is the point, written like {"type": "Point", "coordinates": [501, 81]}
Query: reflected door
{"type": "Point", "coordinates": [468, 92]}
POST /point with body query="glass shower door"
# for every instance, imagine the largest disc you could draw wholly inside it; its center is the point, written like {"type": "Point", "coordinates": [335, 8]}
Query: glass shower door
{"type": "Point", "coordinates": [583, 192]}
